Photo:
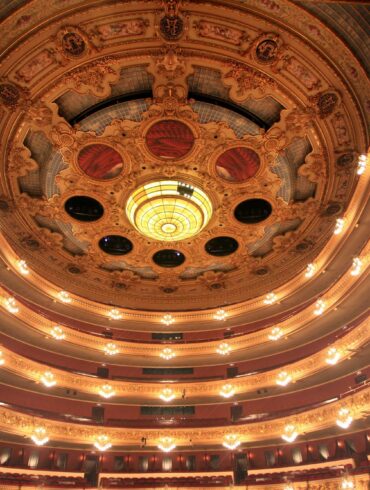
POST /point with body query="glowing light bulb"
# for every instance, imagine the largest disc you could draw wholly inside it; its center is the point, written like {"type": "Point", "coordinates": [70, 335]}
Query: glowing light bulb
{"type": "Point", "coordinates": [310, 270]}
{"type": "Point", "coordinates": [166, 444]}
{"type": "Point", "coordinates": [57, 333]}
{"type": "Point", "coordinates": [344, 418]}
{"type": "Point", "coordinates": [2, 360]}
{"type": "Point", "coordinates": [23, 267]}
{"type": "Point", "coordinates": [39, 436]}
{"type": "Point", "coordinates": [106, 391]}
{"type": "Point", "coordinates": [356, 266]}
{"type": "Point", "coordinates": [290, 433]}
{"type": "Point", "coordinates": [346, 484]}
{"type": "Point", "coordinates": [332, 356]}
{"type": "Point", "coordinates": [224, 349]}
{"type": "Point", "coordinates": [220, 315]}
{"type": "Point", "coordinates": [114, 314]}
{"type": "Point", "coordinates": [361, 166]}
{"type": "Point", "coordinates": [283, 378]}
{"type": "Point", "coordinates": [111, 349]}
{"type": "Point", "coordinates": [167, 395]}
{"type": "Point", "coordinates": [64, 297]}
{"type": "Point", "coordinates": [11, 305]}
{"type": "Point", "coordinates": [231, 441]}
{"type": "Point", "coordinates": [102, 442]}
{"type": "Point", "coordinates": [227, 391]}
{"type": "Point", "coordinates": [319, 307]}
{"type": "Point", "coordinates": [48, 379]}
{"type": "Point", "coordinates": [276, 334]}
{"type": "Point", "coordinates": [167, 320]}
{"type": "Point", "coordinates": [339, 225]}
{"type": "Point", "coordinates": [167, 354]}
{"type": "Point", "coordinates": [270, 298]}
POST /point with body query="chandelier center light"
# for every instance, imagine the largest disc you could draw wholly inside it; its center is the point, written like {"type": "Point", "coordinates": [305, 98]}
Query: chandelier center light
{"type": "Point", "coordinates": [169, 210]}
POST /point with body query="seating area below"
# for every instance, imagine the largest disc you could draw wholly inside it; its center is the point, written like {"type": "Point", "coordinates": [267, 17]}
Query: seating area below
{"type": "Point", "coordinates": [161, 481]}
{"type": "Point", "coordinates": [33, 478]}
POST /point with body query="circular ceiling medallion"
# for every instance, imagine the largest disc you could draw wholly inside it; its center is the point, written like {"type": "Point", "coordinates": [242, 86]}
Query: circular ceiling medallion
{"type": "Point", "coordinates": [221, 246]}
{"type": "Point", "coordinates": [252, 211]}
{"type": "Point", "coordinates": [237, 164]}
{"type": "Point", "coordinates": [100, 161]}
{"type": "Point", "coordinates": [84, 208]}
{"type": "Point", "coordinates": [169, 210]}
{"type": "Point", "coordinates": [115, 245]}
{"type": "Point", "coordinates": [169, 139]}
{"type": "Point", "coordinates": [168, 258]}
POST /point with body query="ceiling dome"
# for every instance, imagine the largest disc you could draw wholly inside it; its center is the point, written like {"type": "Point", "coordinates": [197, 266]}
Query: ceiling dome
{"type": "Point", "coordinates": [169, 210]}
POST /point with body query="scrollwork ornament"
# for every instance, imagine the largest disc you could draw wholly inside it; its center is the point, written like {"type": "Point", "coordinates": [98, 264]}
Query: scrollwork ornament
{"type": "Point", "coordinates": [95, 77]}
{"type": "Point", "coordinates": [245, 82]}
{"type": "Point", "coordinates": [20, 162]}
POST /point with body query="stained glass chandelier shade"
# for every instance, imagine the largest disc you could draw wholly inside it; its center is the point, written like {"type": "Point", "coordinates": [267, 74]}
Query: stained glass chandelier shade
{"type": "Point", "coordinates": [169, 210]}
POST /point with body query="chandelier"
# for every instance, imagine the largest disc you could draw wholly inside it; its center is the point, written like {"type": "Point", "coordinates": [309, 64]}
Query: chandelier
{"type": "Point", "coordinates": [168, 210]}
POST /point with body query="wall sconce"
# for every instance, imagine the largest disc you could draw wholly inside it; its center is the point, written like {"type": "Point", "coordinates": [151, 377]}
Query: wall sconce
{"type": "Point", "coordinates": [283, 378]}
{"type": "Point", "coordinates": [23, 267]}
{"type": "Point", "coordinates": [39, 436]}
{"type": "Point", "coordinates": [114, 314]}
{"type": "Point", "coordinates": [166, 444]}
{"type": "Point", "coordinates": [224, 349]}
{"type": "Point", "coordinates": [310, 270]}
{"type": "Point", "coordinates": [231, 441]}
{"type": "Point", "coordinates": [11, 305]}
{"type": "Point", "coordinates": [102, 442]}
{"type": "Point", "coordinates": [64, 297]}
{"type": "Point", "coordinates": [167, 395]}
{"type": "Point", "coordinates": [167, 354]}
{"type": "Point", "coordinates": [227, 391]}
{"type": "Point", "coordinates": [48, 379]}
{"type": "Point", "coordinates": [344, 418]}
{"type": "Point", "coordinates": [290, 433]}
{"type": "Point", "coordinates": [339, 225]}
{"type": "Point", "coordinates": [167, 320]}
{"type": "Point", "coordinates": [270, 298]}
{"type": "Point", "coordinates": [356, 266]}
{"type": "Point", "coordinates": [220, 315]}
{"type": "Point", "coordinates": [111, 349]}
{"type": "Point", "coordinates": [106, 391]}
{"type": "Point", "coordinates": [276, 334]}
{"type": "Point", "coordinates": [361, 165]}
{"type": "Point", "coordinates": [57, 333]}
{"type": "Point", "coordinates": [319, 307]}
{"type": "Point", "coordinates": [332, 356]}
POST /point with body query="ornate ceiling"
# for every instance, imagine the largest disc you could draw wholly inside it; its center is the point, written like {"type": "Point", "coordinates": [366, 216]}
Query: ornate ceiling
{"type": "Point", "coordinates": [253, 116]}
{"type": "Point", "coordinates": [197, 167]}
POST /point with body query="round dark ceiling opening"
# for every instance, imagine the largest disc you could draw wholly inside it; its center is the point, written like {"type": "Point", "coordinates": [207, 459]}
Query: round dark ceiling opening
{"type": "Point", "coordinates": [168, 258]}
{"type": "Point", "coordinates": [84, 208]}
{"type": "Point", "coordinates": [115, 245]}
{"type": "Point", "coordinates": [252, 211]}
{"type": "Point", "coordinates": [221, 246]}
